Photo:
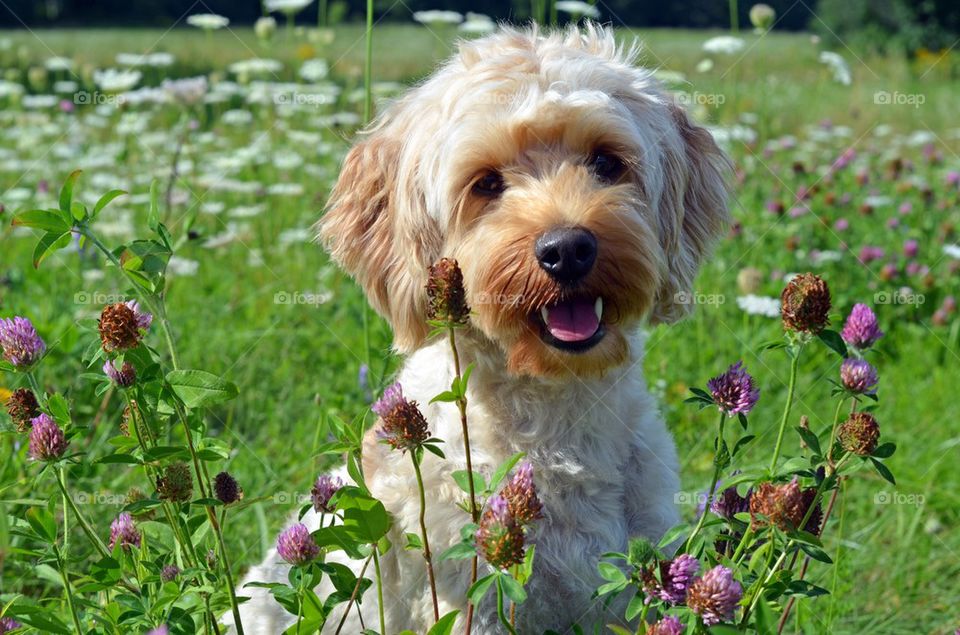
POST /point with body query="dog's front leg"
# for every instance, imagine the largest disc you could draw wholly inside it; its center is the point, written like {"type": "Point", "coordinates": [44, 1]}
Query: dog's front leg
{"type": "Point", "coordinates": [651, 483]}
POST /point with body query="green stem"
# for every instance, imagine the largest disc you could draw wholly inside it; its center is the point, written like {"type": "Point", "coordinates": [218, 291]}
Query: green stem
{"type": "Point", "coordinates": [734, 17]}
{"type": "Point", "coordinates": [69, 592]}
{"type": "Point", "coordinates": [743, 543]}
{"type": "Point", "coordinates": [84, 524]}
{"type": "Point", "coordinates": [368, 67]}
{"type": "Point", "coordinates": [641, 627]}
{"type": "Point", "coordinates": [500, 613]}
{"type": "Point", "coordinates": [423, 534]}
{"type": "Point", "coordinates": [791, 389]}
{"type": "Point", "coordinates": [755, 598]}
{"type": "Point", "coordinates": [353, 596]}
{"type": "Point", "coordinates": [833, 432]}
{"type": "Point", "coordinates": [713, 483]}
{"type": "Point", "coordinates": [218, 531]}
{"type": "Point", "coordinates": [465, 431]}
{"type": "Point", "coordinates": [376, 566]}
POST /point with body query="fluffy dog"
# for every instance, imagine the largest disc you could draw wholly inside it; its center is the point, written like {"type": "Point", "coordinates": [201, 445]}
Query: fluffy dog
{"type": "Point", "coordinates": [579, 201]}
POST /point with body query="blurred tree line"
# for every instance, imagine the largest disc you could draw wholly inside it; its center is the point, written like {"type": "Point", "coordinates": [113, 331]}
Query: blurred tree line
{"type": "Point", "coordinates": [905, 24]}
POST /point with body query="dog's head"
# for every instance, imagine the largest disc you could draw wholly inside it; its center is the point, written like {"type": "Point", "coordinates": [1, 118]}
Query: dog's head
{"type": "Point", "coordinates": [576, 196]}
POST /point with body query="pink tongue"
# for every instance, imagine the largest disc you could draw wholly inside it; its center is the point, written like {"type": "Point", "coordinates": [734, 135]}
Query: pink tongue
{"type": "Point", "coordinates": [572, 321]}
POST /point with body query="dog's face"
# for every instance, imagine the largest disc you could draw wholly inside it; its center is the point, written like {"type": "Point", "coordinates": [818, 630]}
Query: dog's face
{"type": "Point", "coordinates": [577, 198]}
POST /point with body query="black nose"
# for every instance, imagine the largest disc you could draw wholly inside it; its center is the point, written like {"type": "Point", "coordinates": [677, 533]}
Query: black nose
{"type": "Point", "coordinates": [567, 253]}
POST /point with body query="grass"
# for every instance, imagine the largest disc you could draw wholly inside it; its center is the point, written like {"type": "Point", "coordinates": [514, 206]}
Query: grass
{"type": "Point", "coordinates": [297, 364]}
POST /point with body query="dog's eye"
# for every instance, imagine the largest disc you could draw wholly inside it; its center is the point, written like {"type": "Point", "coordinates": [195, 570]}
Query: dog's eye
{"type": "Point", "coordinates": [490, 184]}
{"type": "Point", "coordinates": [607, 166]}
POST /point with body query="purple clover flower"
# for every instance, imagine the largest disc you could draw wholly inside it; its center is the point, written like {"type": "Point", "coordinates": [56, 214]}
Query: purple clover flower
{"type": "Point", "coordinates": [734, 391]}
{"type": "Point", "coordinates": [296, 545]}
{"type": "Point", "coordinates": [160, 630]}
{"type": "Point", "coordinates": [859, 376]}
{"type": "Point", "coordinates": [323, 490]}
{"type": "Point", "coordinates": [21, 344]}
{"type": "Point", "coordinates": [714, 596]}
{"type": "Point", "coordinates": [391, 398]}
{"type": "Point", "coordinates": [124, 376]}
{"type": "Point", "coordinates": [670, 625]}
{"type": "Point", "coordinates": [123, 531]}
{"type": "Point", "coordinates": [47, 441]}
{"type": "Point", "coordinates": [911, 248]}
{"type": "Point", "coordinates": [860, 330]}
{"type": "Point", "coordinates": [144, 319]}
{"type": "Point", "coordinates": [675, 578]}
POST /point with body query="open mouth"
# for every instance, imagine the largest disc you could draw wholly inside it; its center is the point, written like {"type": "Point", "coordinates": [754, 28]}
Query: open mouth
{"type": "Point", "coordinates": [573, 325]}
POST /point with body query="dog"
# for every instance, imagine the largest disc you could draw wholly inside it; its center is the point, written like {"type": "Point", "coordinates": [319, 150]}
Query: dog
{"type": "Point", "coordinates": [579, 201]}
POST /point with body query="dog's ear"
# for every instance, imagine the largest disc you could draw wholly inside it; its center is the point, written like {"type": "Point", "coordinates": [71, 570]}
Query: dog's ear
{"type": "Point", "coordinates": [693, 210]}
{"type": "Point", "coordinates": [376, 229]}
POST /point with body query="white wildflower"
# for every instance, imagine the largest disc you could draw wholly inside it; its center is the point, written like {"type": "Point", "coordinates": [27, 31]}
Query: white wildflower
{"type": "Point", "coordinates": [437, 17]}
{"type": "Point", "coordinates": [723, 44]}
{"type": "Point", "coordinates": [208, 21]}
{"type": "Point", "coordinates": [838, 66]}
{"type": "Point", "coordinates": [759, 305]}
{"type": "Point", "coordinates": [577, 9]}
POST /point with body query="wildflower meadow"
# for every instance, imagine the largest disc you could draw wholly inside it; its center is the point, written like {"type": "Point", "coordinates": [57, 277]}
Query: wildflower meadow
{"type": "Point", "coordinates": [183, 368]}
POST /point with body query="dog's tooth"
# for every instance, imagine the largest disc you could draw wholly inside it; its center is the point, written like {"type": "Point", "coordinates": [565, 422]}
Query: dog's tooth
{"type": "Point", "coordinates": [545, 315]}
{"type": "Point", "coordinates": [598, 308]}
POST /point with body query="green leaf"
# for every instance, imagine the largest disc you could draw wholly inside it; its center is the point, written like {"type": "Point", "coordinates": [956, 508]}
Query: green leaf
{"type": "Point", "coordinates": [153, 216]}
{"type": "Point", "coordinates": [445, 625]}
{"type": "Point", "coordinates": [672, 535]}
{"type": "Point", "coordinates": [60, 409]}
{"type": "Point", "coordinates": [112, 459]}
{"type": "Point", "coordinates": [523, 572]}
{"type": "Point", "coordinates": [41, 219]}
{"type": "Point", "coordinates": [883, 471]}
{"type": "Point", "coordinates": [512, 589]}
{"type": "Point", "coordinates": [610, 572]}
{"type": "Point", "coordinates": [159, 452]}
{"type": "Point", "coordinates": [105, 200]}
{"type": "Point", "coordinates": [501, 472]}
{"type": "Point", "coordinates": [43, 522]}
{"type": "Point", "coordinates": [809, 438]}
{"type": "Point", "coordinates": [79, 211]}
{"type": "Point", "coordinates": [49, 243]}
{"type": "Point", "coordinates": [885, 451]}
{"type": "Point", "coordinates": [147, 256]}
{"type": "Point", "coordinates": [833, 341]}
{"type": "Point", "coordinates": [462, 479]}
{"type": "Point", "coordinates": [447, 396]}
{"type": "Point", "coordinates": [479, 588]}
{"type": "Point", "coordinates": [414, 542]}
{"type": "Point", "coordinates": [198, 388]}
{"type": "Point", "coordinates": [466, 377]}
{"type": "Point", "coordinates": [742, 443]}
{"type": "Point", "coordinates": [816, 553]}
{"type": "Point", "coordinates": [364, 518]}
{"type": "Point", "coordinates": [66, 192]}
{"type": "Point", "coordinates": [459, 551]}
{"type": "Point", "coordinates": [635, 607]}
